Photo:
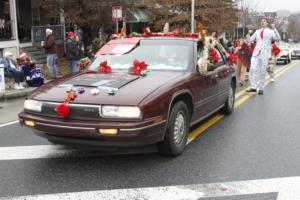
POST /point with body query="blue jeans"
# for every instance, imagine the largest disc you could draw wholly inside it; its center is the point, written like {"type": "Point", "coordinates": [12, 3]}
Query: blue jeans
{"type": "Point", "coordinates": [73, 66]}
{"type": "Point", "coordinates": [51, 65]}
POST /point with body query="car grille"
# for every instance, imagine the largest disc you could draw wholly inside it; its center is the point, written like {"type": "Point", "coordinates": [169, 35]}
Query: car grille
{"type": "Point", "coordinates": [83, 112]}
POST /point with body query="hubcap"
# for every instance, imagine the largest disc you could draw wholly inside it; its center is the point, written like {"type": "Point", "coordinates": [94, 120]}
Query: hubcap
{"type": "Point", "coordinates": [230, 98]}
{"type": "Point", "coordinates": [179, 128]}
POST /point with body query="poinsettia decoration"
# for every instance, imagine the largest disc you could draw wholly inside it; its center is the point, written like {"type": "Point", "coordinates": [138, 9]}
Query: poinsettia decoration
{"type": "Point", "coordinates": [214, 56]}
{"type": "Point", "coordinates": [63, 109]}
{"type": "Point", "coordinates": [138, 67]}
{"type": "Point", "coordinates": [104, 68]}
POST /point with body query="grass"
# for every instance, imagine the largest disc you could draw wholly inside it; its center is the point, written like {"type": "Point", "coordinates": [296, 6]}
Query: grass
{"type": "Point", "coordinates": [62, 67]}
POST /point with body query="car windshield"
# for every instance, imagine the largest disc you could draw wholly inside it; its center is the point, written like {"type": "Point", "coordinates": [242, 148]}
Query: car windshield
{"type": "Point", "coordinates": [167, 55]}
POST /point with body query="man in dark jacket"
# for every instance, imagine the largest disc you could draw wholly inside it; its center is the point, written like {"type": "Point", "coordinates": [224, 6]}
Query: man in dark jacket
{"type": "Point", "coordinates": [50, 50]}
{"type": "Point", "coordinates": [73, 53]}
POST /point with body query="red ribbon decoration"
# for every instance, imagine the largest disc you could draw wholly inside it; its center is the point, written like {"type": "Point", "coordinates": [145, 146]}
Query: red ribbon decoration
{"type": "Point", "coordinates": [138, 67]}
{"type": "Point", "coordinates": [213, 53]}
{"type": "Point", "coordinates": [63, 110]}
{"type": "Point", "coordinates": [104, 68]}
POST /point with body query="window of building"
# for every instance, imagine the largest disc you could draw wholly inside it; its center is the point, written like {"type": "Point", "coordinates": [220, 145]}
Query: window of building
{"type": "Point", "coordinates": [5, 21]}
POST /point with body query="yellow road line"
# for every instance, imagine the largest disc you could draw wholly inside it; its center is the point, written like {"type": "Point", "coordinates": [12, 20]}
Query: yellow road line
{"type": "Point", "coordinates": [240, 93]}
{"type": "Point", "coordinates": [201, 129]}
{"type": "Point", "coordinates": [205, 126]}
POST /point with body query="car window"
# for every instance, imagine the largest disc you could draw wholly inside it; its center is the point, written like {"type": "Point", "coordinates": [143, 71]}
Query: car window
{"type": "Point", "coordinates": [158, 55]}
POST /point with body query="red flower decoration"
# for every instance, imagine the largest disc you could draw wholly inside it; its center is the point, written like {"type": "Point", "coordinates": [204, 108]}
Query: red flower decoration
{"type": "Point", "coordinates": [63, 109]}
{"type": "Point", "coordinates": [104, 68]}
{"type": "Point", "coordinates": [138, 67]}
{"type": "Point", "coordinates": [213, 53]}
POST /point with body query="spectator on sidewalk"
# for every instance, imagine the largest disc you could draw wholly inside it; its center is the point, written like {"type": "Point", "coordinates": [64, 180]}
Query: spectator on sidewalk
{"type": "Point", "coordinates": [50, 50]}
{"type": "Point", "coordinates": [11, 68]}
{"type": "Point", "coordinates": [23, 58]}
{"type": "Point", "coordinates": [33, 74]}
{"type": "Point", "coordinates": [72, 53]}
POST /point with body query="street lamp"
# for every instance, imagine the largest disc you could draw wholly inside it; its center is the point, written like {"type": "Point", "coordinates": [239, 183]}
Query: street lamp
{"type": "Point", "coordinates": [193, 16]}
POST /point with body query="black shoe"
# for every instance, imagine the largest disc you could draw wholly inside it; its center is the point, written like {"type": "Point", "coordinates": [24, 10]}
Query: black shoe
{"type": "Point", "coordinates": [261, 92]}
{"type": "Point", "coordinates": [251, 90]}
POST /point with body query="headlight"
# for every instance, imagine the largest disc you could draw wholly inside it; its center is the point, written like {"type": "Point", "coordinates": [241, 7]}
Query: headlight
{"type": "Point", "coordinates": [120, 112]}
{"type": "Point", "coordinates": [33, 105]}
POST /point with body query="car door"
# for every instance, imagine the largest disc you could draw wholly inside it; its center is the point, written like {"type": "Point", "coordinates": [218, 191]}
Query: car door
{"type": "Point", "coordinates": [224, 79]}
{"type": "Point", "coordinates": [205, 91]}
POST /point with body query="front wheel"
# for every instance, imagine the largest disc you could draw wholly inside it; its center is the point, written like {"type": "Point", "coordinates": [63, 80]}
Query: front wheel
{"type": "Point", "coordinates": [177, 131]}
{"type": "Point", "coordinates": [229, 104]}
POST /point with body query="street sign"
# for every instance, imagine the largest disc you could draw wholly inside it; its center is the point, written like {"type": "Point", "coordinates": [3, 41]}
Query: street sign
{"type": "Point", "coordinates": [117, 13]}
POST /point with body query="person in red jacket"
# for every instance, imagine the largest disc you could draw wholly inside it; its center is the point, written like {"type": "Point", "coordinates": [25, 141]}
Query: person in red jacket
{"type": "Point", "coordinates": [50, 50]}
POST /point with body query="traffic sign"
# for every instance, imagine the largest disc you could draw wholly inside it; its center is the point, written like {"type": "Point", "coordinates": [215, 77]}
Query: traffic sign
{"type": "Point", "coordinates": [117, 13]}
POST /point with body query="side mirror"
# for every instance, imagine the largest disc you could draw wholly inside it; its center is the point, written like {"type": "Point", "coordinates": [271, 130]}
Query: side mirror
{"type": "Point", "coordinates": [210, 67]}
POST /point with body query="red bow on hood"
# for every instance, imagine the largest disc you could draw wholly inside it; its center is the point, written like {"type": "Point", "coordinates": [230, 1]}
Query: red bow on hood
{"type": "Point", "coordinates": [104, 68]}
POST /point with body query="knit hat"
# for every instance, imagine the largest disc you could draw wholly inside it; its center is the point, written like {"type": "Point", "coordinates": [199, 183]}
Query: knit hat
{"type": "Point", "coordinates": [70, 34]}
{"type": "Point", "coordinates": [22, 54]}
{"type": "Point", "coordinates": [48, 30]}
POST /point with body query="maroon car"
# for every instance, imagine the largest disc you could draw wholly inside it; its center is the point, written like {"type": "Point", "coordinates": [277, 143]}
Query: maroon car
{"type": "Point", "coordinates": [121, 108]}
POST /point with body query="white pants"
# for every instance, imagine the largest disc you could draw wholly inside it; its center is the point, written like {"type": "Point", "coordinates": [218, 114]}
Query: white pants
{"type": "Point", "coordinates": [258, 71]}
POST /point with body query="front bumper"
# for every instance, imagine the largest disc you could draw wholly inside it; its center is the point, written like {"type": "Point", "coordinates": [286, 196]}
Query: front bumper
{"type": "Point", "coordinates": [282, 59]}
{"type": "Point", "coordinates": [79, 132]}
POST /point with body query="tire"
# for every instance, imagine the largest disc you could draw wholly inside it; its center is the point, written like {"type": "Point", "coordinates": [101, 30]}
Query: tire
{"type": "Point", "coordinates": [177, 131]}
{"type": "Point", "coordinates": [286, 62]}
{"type": "Point", "coordinates": [229, 104]}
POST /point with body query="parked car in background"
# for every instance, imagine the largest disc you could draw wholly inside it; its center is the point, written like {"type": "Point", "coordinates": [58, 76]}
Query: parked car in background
{"type": "Point", "coordinates": [295, 52]}
{"type": "Point", "coordinates": [285, 55]}
{"type": "Point", "coordinates": [121, 109]}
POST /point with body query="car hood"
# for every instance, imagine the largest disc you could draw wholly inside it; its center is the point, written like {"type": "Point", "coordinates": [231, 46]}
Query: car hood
{"type": "Point", "coordinates": [284, 52]}
{"type": "Point", "coordinates": [131, 90]}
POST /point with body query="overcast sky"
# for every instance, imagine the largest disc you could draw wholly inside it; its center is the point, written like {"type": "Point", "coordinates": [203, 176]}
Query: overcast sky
{"type": "Point", "coordinates": [274, 5]}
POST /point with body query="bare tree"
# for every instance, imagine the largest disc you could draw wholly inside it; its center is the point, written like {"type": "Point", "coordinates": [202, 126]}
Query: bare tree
{"type": "Point", "coordinates": [216, 15]}
{"type": "Point", "coordinates": [293, 27]}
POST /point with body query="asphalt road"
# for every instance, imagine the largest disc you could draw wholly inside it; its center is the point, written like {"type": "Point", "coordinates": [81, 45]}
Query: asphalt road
{"type": "Point", "coordinates": [259, 141]}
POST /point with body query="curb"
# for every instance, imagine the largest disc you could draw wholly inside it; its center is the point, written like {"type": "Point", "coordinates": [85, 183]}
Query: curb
{"type": "Point", "coordinates": [12, 94]}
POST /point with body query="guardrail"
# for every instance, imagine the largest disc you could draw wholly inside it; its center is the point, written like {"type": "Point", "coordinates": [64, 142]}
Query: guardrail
{"type": "Point", "coordinates": [38, 33]}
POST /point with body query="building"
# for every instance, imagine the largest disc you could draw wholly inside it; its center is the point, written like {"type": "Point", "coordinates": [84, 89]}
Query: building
{"type": "Point", "coordinates": [23, 26]}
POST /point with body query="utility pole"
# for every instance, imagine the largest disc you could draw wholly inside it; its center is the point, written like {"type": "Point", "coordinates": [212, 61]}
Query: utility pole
{"type": "Point", "coordinates": [193, 17]}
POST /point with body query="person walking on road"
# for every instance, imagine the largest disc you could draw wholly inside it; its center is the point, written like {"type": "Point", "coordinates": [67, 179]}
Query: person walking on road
{"type": "Point", "coordinates": [50, 50]}
{"type": "Point", "coordinates": [272, 61]}
{"type": "Point", "coordinates": [261, 55]}
{"type": "Point", "coordinates": [243, 60]}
